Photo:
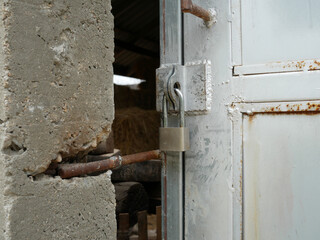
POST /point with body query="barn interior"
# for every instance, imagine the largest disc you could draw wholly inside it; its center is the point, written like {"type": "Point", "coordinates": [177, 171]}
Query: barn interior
{"type": "Point", "coordinates": [135, 128]}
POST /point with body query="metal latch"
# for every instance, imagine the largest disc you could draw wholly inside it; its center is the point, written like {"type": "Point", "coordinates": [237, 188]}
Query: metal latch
{"type": "Point", "coordinates": [187, 89]}
{"type": "Point", "coordinates": [174, 138]}
{"type": "Point", "coordinates": [194, 80]}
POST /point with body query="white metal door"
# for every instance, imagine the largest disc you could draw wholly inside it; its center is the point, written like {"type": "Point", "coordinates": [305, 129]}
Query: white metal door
{"type": "Point", "coordinates": [281, 176]}
{"type": "Point", "coordinates": [252, 171]}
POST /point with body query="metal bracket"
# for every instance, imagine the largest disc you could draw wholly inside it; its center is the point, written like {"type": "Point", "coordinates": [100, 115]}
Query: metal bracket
{"type": "Point", "coordinates": [194, 81]}
{"type": "Point", "coordinates": [208, 15]}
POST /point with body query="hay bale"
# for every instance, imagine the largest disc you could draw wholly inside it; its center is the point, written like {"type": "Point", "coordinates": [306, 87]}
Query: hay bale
{"type": "Point", "coordinates": [136, 130]}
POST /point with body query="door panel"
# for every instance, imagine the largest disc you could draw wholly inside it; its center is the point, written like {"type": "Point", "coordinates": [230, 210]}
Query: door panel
{"type": "Point", "coordinates": [277, 87]}
{"type": "Point", "coordinates": [283, 30]}
{"type": "Point", "coordinates": [251, 171]}
{"type": "Point", "coordinates": [208, 180]}
{"type": "Point", "coordinates": [281, 176]}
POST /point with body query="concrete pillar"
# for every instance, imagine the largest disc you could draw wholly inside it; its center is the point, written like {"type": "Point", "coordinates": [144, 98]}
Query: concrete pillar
{"type": "Point", "coordinates": [56, 101]}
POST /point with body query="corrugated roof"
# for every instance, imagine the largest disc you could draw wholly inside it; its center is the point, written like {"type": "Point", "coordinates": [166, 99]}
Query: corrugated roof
{"type": "Point", "coordinates": [136, 32]}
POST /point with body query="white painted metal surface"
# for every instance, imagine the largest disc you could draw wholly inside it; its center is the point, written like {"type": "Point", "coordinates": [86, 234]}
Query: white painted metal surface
{"type": "Point", "coordinates": [230, 192]}
{"type": "Point", "coordinates": [276, 30]}
{"type": "Point", "coordinates": [278, 135]}
{"type": "Point", "coordinates": [281, 176]}
{"type": "Point", "coordinates": [278, 67]}
{"type": "Point", "coordinates": [276, 87]}
{"type": "Point", "coordinates": [208, 179]}
{"type": "Point", "coordinates": [195, 81]}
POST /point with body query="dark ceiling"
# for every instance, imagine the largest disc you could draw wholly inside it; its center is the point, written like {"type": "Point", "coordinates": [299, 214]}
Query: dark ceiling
{"type": "Point", "coordinates": [136, 26]}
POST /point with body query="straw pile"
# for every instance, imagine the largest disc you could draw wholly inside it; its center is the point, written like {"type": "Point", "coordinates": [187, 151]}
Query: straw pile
{"type": "Point", "coordinates": [136, 130]}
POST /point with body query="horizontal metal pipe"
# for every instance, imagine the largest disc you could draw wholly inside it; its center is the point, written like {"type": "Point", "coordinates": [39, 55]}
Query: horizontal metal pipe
{"type": "Point", "coordinates": [78, 169]}
{"type": "Point", "coordinates": [187, 6]}
{"type": "Point", "coordinates": [141, 157]}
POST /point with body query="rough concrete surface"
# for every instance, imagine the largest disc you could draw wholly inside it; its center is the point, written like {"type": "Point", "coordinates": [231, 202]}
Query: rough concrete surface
{"type": "Point", "coordinates": [57, 79]}
{"type": "Point", "coordinates": [56, 100]}
{"type": "Point", "coordinates": [80, 208]}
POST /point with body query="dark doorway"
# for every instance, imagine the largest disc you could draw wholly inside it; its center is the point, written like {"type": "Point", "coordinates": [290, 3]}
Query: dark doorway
{"type": "Point", "coordinates": [135, 128]}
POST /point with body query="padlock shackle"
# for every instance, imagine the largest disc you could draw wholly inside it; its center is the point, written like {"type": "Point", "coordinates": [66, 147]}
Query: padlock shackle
{"type": "Point", "coordinates": [181, 106]}
{"type": "Point", "coordinates": [169, 90]}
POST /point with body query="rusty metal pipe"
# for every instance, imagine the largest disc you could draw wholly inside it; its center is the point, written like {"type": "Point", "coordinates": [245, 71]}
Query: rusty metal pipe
{"type": "Point", "coordinates": [141, 157]}
{"type": "Point", "coordinates": [187, 6]}
{"type": "Point", "coordinates": [78, 169]}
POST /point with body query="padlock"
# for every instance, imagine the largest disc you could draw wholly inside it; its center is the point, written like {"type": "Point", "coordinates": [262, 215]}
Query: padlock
{"type": "Point", "coordinates": [174, 138]}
